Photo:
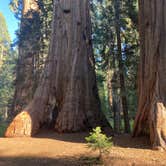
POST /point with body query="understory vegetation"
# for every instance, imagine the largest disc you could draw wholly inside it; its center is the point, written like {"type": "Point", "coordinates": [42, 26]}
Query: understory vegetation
{"type": "Point", "coordinates": [99, 141]}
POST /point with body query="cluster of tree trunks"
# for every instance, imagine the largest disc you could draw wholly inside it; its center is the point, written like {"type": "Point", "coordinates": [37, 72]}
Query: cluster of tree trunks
{"type": "Point", "coordinates": [151, 115]}
{"type": "Point", "coordinates": [67, 90]}
{"type": "Point", "coordinates": [121, 67]}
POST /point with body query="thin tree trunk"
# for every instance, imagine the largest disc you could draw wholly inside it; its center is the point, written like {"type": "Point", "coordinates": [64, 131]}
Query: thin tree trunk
{"type": "Point", "coordinates": [113, 97]}
{"type": "Point", "coordinates": [151, 115]}
{"type": "Point", "coordinates": [116, 104]}
{"type": "Point", "coordinates": [69, 83]}
{"type": "Point", "coordinates": [121, 68]}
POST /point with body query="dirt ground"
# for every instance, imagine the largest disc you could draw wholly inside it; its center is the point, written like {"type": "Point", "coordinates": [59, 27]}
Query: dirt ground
{"type": "Point", "coordinates": [52, 149]}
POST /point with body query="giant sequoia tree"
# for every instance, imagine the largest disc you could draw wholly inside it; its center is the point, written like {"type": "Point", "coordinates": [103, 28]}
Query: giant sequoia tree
{"type": "Point", "coordinates": [151, 116]}
{"type": "Point", "coordinates": [68, 86]}
{"type": "Point", "coordinates": [29, 36]}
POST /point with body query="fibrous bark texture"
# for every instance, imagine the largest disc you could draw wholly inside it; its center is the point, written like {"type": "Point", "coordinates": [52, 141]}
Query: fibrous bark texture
{"type": "Point", "coordinates": [28, 54]}
{"type": "Point", "coordinates": [151, 115]}
{"type": "Point", "coordinates": [68, 88]}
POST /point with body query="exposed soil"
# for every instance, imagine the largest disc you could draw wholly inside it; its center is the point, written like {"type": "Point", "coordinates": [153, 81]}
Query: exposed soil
{"type": "Point", "coordinates": [130, 151]}
{"type": "Point", "coordinates": [52, 149]}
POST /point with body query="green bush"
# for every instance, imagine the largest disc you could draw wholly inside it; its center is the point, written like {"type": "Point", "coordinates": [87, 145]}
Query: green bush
{"type": "Point", "coordinates": [99, 141]}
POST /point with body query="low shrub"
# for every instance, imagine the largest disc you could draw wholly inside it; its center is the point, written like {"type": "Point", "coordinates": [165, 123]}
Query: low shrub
{"type": "Point", "coordinates": [99, 141]}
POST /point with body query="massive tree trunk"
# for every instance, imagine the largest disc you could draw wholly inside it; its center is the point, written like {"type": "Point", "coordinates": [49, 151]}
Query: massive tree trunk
{"type": "Point", "coordinates": [28, 53]}
{"type": "Point", "coordinates": [121, 67]}
{"type": "Point", "coordinates": [69, 84]}
{"type": "Point", "coordinates": [151, 115]}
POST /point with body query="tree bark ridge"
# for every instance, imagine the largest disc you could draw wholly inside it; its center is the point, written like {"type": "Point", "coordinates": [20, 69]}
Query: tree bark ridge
{"type": "Point", "coordinates": [151, 115]}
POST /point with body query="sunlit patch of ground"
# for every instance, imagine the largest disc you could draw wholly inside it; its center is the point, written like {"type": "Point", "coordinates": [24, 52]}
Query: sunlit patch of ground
{"type": "Point", "coordinates": [51, 149]}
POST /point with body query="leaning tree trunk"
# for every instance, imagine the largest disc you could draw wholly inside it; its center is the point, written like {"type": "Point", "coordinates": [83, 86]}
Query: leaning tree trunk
{"type": "Point", "coordinates": [69, 83]}
{"type": "Point", "coordinates": [151, 115]}
{"type": "Point", "coordinates": [28, 52]}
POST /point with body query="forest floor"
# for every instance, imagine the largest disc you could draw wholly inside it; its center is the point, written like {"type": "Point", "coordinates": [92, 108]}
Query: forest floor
{"type": "Point", "coordinates": [52, 149]}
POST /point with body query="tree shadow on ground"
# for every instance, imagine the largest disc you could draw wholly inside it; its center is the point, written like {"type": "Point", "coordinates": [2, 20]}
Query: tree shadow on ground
{"type": "Point", "coordinates": [45, 161]}
{"type": "Point", "coordinates": [127, 141]}
{"type": "Point", "coordinates": [78, 137]}
{"type": "Point", "coordinates": [121, 140]}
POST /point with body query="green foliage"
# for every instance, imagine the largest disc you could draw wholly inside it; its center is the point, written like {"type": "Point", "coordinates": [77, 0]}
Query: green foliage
{"type": "Point", "coordinates": [6, 82]}
{"type": "Point", "coordinates": [4, 34]}
{"type": "Point", "coordinates": [7, 65]}
{"type": "Point", "coordinates": [105, 50]}
{"type": "Point", "coordinates": [3, 127]}
{"type": "Point", "coordinates": [99, 141]}
{"type": "Point", "coordinates": [16, 7]}
{"type": "Point", "coordinates": [4, 39]}
{"type": "Point", "coordinates": [102, 89]}
{"type": "Point", "coordinates": [46, 15]}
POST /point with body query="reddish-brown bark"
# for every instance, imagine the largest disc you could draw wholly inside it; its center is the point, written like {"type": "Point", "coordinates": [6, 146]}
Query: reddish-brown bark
{"type": "Point", "coordinates": [151, 115]}
{"type": "Point", "coordinates": [26, 65]}
{"type": "Point", "coordinates": [69, 82]}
